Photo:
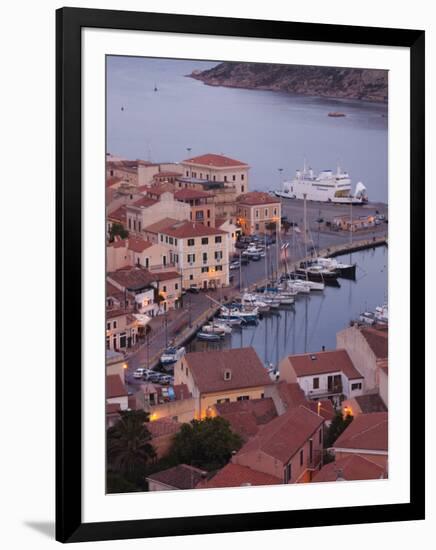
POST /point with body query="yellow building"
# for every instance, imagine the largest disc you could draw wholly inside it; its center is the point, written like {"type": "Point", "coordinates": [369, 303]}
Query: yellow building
{"type": "Point", "coordinates": [221, 376]}
{"type": "Point", "coordinates": [201, 253]}
{"type": "Point", "coordinates": [256, 210]}
{"type": "Point", "coordinates": [217, 168]}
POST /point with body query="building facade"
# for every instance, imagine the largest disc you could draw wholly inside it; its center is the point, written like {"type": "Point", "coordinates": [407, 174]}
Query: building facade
{"type": "Point", "coordinates": [256, 211]}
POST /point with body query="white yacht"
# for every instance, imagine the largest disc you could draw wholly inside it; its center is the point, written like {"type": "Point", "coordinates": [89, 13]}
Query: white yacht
{"type": "Point", "coordinates": [327, 186]}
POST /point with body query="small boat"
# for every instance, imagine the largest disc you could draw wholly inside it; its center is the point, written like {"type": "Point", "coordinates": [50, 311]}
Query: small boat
{"type": "Point", "coordinates": [235, 313]}
{"type": "Point", "coordinates": [209, 336]}
{"type": "Point", "coordinates": [155, 88]}
{"type": "Point", "coordinates": [381, 314]}
{"type": "Point", "coordinates": [319, 273]}
{"type": "Point", "coordinates": [367, 318]}
{"type": "Point", "coordinates": [172, 355]}
{"type": "Point", "coordinates": [285, 300]}
{"type": "Point", "coordinates": [236, 322]}
{"type": "Point", "coordinates": [347, 271]}
{"type": "Point", "coordinates": [336, 114]}
{"type": "Point", "coordinates": [217, 328]}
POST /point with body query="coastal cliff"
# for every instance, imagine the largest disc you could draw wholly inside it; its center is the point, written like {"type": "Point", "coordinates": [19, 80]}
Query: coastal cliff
{"type": "Point", "coordinates": [331, 82]}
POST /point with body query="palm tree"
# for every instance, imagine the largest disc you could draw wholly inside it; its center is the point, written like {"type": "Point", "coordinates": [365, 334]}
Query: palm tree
{"type": "Point", "coordinates": [128, 444]}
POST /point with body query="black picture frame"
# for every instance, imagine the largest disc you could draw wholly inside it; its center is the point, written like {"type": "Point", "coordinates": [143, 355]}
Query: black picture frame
{"type": "Point", "coordinates": [69, 23]}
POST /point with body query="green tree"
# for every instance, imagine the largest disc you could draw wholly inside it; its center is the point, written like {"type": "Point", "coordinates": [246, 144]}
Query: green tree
{"type": "Point", "coordinates": [338, 425]}
{"type": "Point", "coordinates": [207, 444]}
{"type": "Point", "coordinates": [117, 229]}
{"type": "Point", "coordinates": [128, 446]}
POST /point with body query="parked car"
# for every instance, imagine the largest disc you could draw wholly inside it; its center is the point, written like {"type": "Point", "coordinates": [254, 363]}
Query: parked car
{"type": "Point", "coordinates": [166, 379]}
{"type": "Point", "coordinates": [234, 265]}
{"type": "Point", "coordinates": [139, 373]}
{"type": "Point", "coordinates": [155, 378]}
{"type": "Point", "coordinates": [193, 290]}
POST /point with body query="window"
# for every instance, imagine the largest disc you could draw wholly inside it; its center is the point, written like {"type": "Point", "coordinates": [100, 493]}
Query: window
{"type": "Point", "coordinates": [191, 242]}
{"type": "Point", "coordinates": [199, 216]}
{"type": "Point", "coordinates": [316, 383]}
{"type": "Point", "coordinates": [205, 269]}
{"type": "Point", "coordinates": [242, 177]}
{"type": "Point", "coordinates": [134, 225]}
{"type": "Point", "coordinates": [171, 240]}
{"type": "Point", "coordinates": [208, 213]}
{"type": "Point", "coordinates": [257, 227]}
{"type": "Point", "coordinates": [214, 178]}
{"type": "Point", "coordinates": [161, 238]}
{"type": "Point", "coordinates": [191, 277]}
{"type": "Point", "coordinates": [166, 239]}
{"type": "Point", "coordinates": [275, 211]}
{"type": "Point", "coordinates": [146, 262]}
{"type": "Point", "coordinates": [234, 177]}
{"type": "Point", "coordinates": [187, 173]}
{"type": "Point", "coordinates": [218, 254]}
{"type": "Point", "coordinates": [175, 241]}
{"type": "Point", "coordinates": [288, 473]}
{"type": "Point", "coordinates": [115, 324]}
{"type": "Point", "coordinates": [130, 223]}
{"type": "Point", "coordinates": [225, 179]}
{"type": "Point", "coordinates": [191, 258]}
{"type": "Point", "coordinates": [223, 400]}
{"type": "Point", "coordinates": [301, 457]}
{"type": "Point", "coordinates": [164, 288]}
{"type": "Point", "coordinates": [256, 213]}
{"type": "Point", "coordinates": [123, 341]}
{"type": "Point", "coordinates": [320, 437]}
{"type": "Point", "coordinates": [108, 326]}
{"type": "Point", "coordinates": [201, 176]}
{"type": "Point", "coordinates": [218, 268]}
{"type": "Point", "coordinates": [266, 212]}
{"type": "Point", "coordinates": [242, 188]}
{"type": "Point", "coordinates": [204, 257]}
{"type": "Point", "coordinates": [176, 286]}
{"type": "Point", "coordinates": [218, 239]}
{"type": "Point", "coordinates": [356, 386]}
{"type": "Point", "coordinates": [204, 240]}
{"type": "Point", "coordinates": [139, 225]}
{"type": "Point", "coordinates": [243, 398]}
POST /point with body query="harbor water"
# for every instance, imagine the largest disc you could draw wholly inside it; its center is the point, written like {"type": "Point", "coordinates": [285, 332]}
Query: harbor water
{"type": "Point", "coordinates": [313, 321]}
{"type": "Point", "coordinates": [268, 130]}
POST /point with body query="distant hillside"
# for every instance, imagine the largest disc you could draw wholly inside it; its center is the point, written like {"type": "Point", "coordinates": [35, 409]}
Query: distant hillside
{"type": "Point", "coordinates": [365, 84]}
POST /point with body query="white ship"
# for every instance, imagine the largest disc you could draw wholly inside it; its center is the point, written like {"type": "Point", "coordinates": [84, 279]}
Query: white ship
{"type": "Point", "coordinates": [327, 186]}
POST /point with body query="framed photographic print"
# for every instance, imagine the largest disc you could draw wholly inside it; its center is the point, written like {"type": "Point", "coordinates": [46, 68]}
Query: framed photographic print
{"type": "Point", "coordinates": [239, 207]}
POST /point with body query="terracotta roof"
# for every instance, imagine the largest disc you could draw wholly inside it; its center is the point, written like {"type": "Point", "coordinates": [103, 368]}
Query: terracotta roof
{"type": "Point", "coordinates": [163, 426]}
{"type": "Point", "coordinates": [245, 417]}
{"type": "Point", "coordinates": [161, 224]}
{"type": "Point", "coordinates": [118, 215]}
{"type": "Point", "coordinates": [186, 229]}
{"type": "Point", "coordinates": [326, 410]}
{"type": "Point", "coordinates": [216, 161]}
{"type": "Point", "coordinates": [284, 436]}
{"type": "Point", "coordinates": [166, 275]}
{"type": "Point", "coordinates": [235, 475]}
{"type": "Point", "coordinates": [115, 386]}
{"type": "Point", "coordinates": [257, 197]}
{"type": "Point", "coordinates": [349, 468]}
{"type": "Point", "coordinates": [371, 403]}
{"type": "Point", "coordinates": [323, 362]}
{"type": "Point", "coordinates": [290, 394]}
{"type": "Point", "coordinates": [144, 202]}
{"type": "Point", "coordinates": [209, 367]}
{"type": "Point", "coordinates": [113, 291]}
{"type": "Point", "coordinates": [366, 431]}
{"type": "Point", "coordinates": [118, 242]}
{"type": "Point", "coordinates": [132, 278]}
{"type": "Point", "coordinates": [138, 245]}
{"type": "Point", "coordinates": [111, 313]}
{"type": "Point", "coordinates": [112, 180]}
{"type": "Point", "coordinates": [377, 339]}
{"type": "Point", "coordinates": [112, 408]}
{"type": "Point", "coordinates": [160, 189]}
{"type": "Point", "coordinates": [182, 476]}
{"type": "Point", "coordinates": [191, 194]}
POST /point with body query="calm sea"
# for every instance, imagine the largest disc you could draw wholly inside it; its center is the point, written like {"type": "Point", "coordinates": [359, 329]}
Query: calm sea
{"type": "Point", "coordinates": [268, 130]}
{"type": "Point", "coordinates": [314, 319]}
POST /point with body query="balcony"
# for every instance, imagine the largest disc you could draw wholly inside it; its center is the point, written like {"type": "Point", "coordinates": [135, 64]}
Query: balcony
{"type": "Point", "coordinates": [319, 393]}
